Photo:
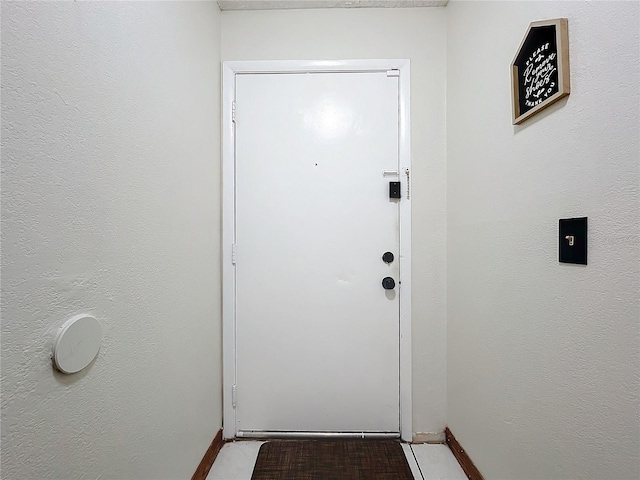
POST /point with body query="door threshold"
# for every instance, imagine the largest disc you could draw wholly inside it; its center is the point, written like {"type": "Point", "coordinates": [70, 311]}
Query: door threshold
{"type": "Point", "coordinates": [314, 435]}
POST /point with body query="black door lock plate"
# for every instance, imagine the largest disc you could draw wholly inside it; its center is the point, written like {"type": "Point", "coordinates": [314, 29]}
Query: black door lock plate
{"type": "Point", "coordinates": [394, 189]}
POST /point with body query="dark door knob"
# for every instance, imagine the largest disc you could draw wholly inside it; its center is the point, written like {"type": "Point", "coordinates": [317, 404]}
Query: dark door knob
{"type": "Point", "coordinates": [388, 283]}
{"type": "Point", "coordinates": [387, 257]}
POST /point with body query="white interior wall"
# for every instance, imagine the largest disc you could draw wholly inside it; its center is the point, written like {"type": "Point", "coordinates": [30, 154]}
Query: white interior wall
{"type": "Point", "coordinates": [110, 118]}
{"type": "Point", "coordinates": [110, 205]}
{"type": "Point", "coordinates": [543, 361]}
{"type": "Point", "coordinates": [417, 34]}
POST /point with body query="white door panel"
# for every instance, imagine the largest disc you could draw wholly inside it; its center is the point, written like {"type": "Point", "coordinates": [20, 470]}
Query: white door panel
{"type": "Point", "coordinates": [317, 337]}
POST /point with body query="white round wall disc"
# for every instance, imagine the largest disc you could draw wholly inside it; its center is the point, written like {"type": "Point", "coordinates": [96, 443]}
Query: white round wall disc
{"type": "Point", "coordinates": [77, 343]}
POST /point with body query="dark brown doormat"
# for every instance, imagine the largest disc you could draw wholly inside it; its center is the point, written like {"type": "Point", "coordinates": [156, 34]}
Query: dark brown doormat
{"type": "Point", "coordinates": [331, 460]}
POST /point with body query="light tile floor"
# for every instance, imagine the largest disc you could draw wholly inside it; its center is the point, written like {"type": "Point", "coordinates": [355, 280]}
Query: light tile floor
{"type": "Point", "coordinates": [428, 462]}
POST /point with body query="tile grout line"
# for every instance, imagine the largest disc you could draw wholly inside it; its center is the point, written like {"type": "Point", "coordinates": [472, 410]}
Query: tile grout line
{"type": "Point", "coordinates": [416, 459]}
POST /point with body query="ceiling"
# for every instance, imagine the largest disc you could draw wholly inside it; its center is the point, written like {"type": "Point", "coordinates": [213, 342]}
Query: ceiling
{"type": "Point", "coordinates": [289, 4]}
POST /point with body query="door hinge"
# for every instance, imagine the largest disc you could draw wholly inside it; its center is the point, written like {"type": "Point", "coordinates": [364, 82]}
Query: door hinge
{"type": "Point", "coordinates": [393, 73]}
{"type": "Point", "coordinates": [233, 396]}
{"type": "Point", "coordinates": [233, 254]}
{"type": "Point", "coordinates": [233, 112]}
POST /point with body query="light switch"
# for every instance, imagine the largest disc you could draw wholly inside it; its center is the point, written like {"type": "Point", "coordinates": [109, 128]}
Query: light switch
{"type": "Point", "coordinates": [573, 240]}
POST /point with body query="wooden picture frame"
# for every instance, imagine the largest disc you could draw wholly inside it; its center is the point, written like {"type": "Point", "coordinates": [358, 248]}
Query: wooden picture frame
{"type": "Point", "coordinates": [540, 69]}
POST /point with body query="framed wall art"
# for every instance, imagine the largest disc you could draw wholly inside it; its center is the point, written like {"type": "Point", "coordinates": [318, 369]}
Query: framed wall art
{"type": "Point", "coordinates": [540, 69]}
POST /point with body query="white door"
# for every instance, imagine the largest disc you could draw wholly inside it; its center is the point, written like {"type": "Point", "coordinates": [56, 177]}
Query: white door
{"type": "Point", "coordinates": [317, 335]}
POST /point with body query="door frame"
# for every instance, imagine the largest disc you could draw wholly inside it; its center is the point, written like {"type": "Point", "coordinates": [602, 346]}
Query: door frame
{"type": "Point", "coordinates": [229, 71]}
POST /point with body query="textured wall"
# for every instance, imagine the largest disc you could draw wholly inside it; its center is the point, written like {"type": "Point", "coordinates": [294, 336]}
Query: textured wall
{"type": "Point", "coordinates": [418, 34]}
{"type": "Point", "coordinates": [543, 358]}
{"type": "Point", "coordinates": [110, 205]}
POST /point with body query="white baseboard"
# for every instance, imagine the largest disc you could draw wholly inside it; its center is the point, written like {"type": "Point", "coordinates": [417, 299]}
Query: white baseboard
{"type": "Point", "coordinates": [428, 437]}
